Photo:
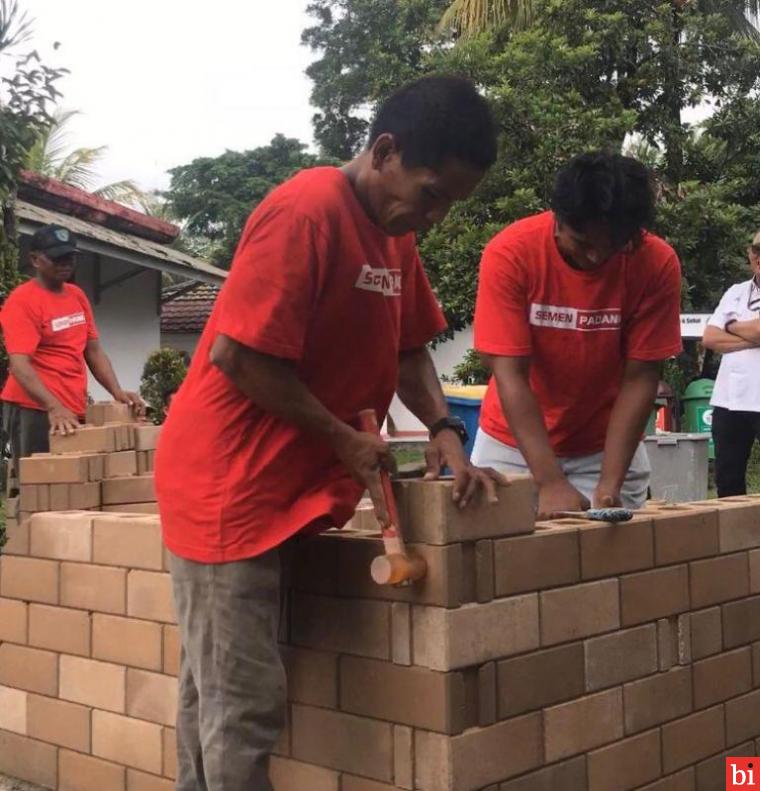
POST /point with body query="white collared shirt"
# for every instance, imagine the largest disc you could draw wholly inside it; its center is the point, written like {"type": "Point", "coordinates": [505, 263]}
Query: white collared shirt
{"type": "Point", "coordinates": [738, 384]}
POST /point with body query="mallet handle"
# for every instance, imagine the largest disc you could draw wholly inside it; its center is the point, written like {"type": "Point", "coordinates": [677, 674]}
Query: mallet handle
{"type": "Point", "coordinates": [394, 544]}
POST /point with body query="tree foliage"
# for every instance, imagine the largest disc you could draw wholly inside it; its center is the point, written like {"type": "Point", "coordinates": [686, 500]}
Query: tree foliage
{"type": "Point", "coordinates": [164, 371]}
{"type": "Point", "coordinates": [367, 48]}
{"type": "Point", "coordinates": [574, 76]}
{"type": "Point", "coordinates": [213, 196]}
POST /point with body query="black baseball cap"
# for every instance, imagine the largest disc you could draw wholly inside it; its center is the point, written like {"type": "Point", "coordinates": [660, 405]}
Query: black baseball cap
{"type": "Point", "coordinates": [54, 241]}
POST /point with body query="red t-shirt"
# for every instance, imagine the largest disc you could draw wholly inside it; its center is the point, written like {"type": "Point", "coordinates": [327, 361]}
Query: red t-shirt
{"type": "Point", "coordinates": [53, 329]}
{"type": "Point", "coordinates": [578, 327]}
{"type": "Point", "coordinates": [314, 281]}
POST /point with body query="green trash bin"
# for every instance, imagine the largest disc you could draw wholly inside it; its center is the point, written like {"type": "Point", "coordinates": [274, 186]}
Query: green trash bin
{"type": "Point", "coordinates": [697, 410]}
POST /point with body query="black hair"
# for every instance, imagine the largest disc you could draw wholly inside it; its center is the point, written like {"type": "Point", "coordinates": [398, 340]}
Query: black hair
{"type": "Point", "coordinates": [436, 118]}
{"type": "Point", "coordinates": [609, 187]}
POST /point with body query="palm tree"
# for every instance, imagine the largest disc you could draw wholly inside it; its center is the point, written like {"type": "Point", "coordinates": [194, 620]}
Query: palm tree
{"type": "Point", "coordinates": [15, 27]}
{"type": "Point", "coordinates": [51, 156]}
{"type": "Point", "coordinates": [471, 17]}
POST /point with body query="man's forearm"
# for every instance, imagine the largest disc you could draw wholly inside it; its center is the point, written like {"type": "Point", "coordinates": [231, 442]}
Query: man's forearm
{"type": "Point", "coordinates": [628, 420]}
{"type": "Point", "coordinates": [526, 421]}
{"type": "Point", "coordinates": [273, 385]}
{"type": "Point", "coordinates": [24, 373]}
{"type": "Point", "coordinates": [748, 331]}
{"type": "Point", "coordinates": [101, 368]}
{"type": "Point", "coordinates": [722, 342]}
{"type": "Point", "coordinates": [419, 387]}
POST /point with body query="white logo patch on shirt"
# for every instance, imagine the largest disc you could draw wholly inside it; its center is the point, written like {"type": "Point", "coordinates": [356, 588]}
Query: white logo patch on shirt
{"type": "Point", "coordinates": [66, 322]}
{"type": "Point", "coordinates": [575, 318]}
{"type": "Point", "coordinates": [381, 280]}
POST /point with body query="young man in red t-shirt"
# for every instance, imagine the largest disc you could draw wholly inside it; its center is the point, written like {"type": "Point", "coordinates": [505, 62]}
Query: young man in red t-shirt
{"type": "Point", "coordinates": [327, 311]}
{"type": "Point", "coordinates": [51, 339]}
{"type": "Point", "coordinates": [577, 308]}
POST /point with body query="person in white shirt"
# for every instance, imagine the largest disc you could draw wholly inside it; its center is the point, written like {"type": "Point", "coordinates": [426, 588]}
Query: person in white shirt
{"type": "Point", "coordinates": [734, 331]}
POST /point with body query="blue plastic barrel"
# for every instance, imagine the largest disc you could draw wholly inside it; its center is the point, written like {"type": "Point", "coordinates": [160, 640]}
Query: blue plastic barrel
{"type": "Point", "coordinates": [464, 403]}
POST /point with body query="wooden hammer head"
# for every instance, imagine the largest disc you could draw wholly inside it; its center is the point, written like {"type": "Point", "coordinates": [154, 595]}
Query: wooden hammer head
{"type": "Point", "coordinates": [398, 569]}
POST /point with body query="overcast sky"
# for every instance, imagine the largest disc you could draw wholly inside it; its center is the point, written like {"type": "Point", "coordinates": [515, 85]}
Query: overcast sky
{"type": "Point", "coordinates": [161, 82]}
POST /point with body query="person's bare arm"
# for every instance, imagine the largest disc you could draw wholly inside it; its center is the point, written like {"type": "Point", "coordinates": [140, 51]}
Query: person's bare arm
{"type": "Point", "coordinates": [99, 363]}
{"type": "Point", "coordinates": [628, 420]}
{"type": "Point", "coordinates": [420, 391]}
{"type": "Point", "coordinates": [748, 331]}
{"type": "Point", "coordinates": [523, 413]}
{"type": "Point", "coordinates": [62, 420]}
{"type": "Point", "coordinates": [723, 342]}
{"type": "Point", "coordinates": [272, 384]}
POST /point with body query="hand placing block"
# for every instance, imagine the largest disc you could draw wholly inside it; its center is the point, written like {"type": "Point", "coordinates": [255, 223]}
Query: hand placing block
{"type": "Point", "coordinates": [429, 515]}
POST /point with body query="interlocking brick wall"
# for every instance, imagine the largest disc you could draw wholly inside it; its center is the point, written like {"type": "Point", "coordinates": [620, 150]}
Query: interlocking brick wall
{"type": "Point", "coordinates": [567, 656]}
{"type": "Point", "coordinates": [575, 656]}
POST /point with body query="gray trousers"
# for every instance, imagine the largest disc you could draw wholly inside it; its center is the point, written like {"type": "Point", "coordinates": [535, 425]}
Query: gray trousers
{"type": "Point", "coordinates": [232, 698]}
{"type": "Point", "coordinates": [583, 472]}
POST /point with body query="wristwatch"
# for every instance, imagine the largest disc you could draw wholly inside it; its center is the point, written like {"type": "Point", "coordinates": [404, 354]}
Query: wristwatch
{"type": "Point", "coordinates": [454, 423]}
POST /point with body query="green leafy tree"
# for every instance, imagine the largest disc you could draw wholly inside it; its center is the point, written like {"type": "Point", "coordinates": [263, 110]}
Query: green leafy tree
{"type": "Point", "coordinates": [573, 76]}
{"type": "Point", "coordinates": [213, 196]}
{"type": "Point", "coordinates": [164, 371]}
{"type": "Point", "coordinates": [472, 17]}
{"type": "Point", "coordinates": [27, 92]}
{"type": "Point", "coordinates": [471, 371]}
{"type": "Point", "coordinates": [366, 49]}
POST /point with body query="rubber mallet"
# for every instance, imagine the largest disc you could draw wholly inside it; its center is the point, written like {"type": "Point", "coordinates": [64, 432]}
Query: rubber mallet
{"type": "Point", "coordinates": [396, 566]}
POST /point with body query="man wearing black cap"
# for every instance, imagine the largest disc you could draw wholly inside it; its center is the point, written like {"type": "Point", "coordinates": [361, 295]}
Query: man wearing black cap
{"type": "Point", "coordinates": [50, 335]}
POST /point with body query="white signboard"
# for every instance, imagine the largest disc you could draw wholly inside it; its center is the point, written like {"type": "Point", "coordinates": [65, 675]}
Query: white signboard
{"type": "Point", "coordinates": [693, 325]}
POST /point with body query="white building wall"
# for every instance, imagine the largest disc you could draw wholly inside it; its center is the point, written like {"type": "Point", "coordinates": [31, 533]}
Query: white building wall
{"type": "Point", "coordinates": [181, 341]}
{"type": "Point", "coordinates": [445, 356]}
{"type": "Point", "coordinates": [127, 317]}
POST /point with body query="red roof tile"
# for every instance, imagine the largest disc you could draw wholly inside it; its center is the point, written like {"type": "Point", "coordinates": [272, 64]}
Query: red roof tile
{"type": "Point", "coordinates": [189, 312]}
{"type": "Point", "coordinates": [57, 196]}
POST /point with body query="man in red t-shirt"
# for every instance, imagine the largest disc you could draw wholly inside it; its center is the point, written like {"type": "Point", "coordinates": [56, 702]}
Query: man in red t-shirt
{"type": "Point", "coordinates": [50, 337]}
{"type": "Point", "coordinates": [576, 310]}
{"type": "Point", "coordinates": [327, 311]}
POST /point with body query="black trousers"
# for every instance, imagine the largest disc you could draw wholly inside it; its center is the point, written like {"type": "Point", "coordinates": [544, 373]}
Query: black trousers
{"type": "Point", "coordinates": [734, 434]}
{"type": "Point", "coordinates": [27, 431]}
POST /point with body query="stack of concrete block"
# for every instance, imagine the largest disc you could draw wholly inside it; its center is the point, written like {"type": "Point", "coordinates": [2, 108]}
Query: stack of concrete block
{"type": "Point", "coordinates": [88, 655]}
{"type": "Point", "coordinates": [576, 656]}
{"type": "Point", "coordinates": [105, 465]}
{"type": "Point", "coordinates": [559, 656]}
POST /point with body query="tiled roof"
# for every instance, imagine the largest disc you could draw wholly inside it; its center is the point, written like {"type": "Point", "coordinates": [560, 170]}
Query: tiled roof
{"type": "Point", "coordinates": [100, 239]}
{"type": "Point", "coordinates": [57, 196]}
{"type": "Point", "coordinates": [189, 312]}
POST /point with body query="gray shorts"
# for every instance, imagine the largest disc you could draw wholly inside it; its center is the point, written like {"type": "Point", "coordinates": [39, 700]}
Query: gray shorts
{"type": "Point", "coordinates": [583, 472]}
